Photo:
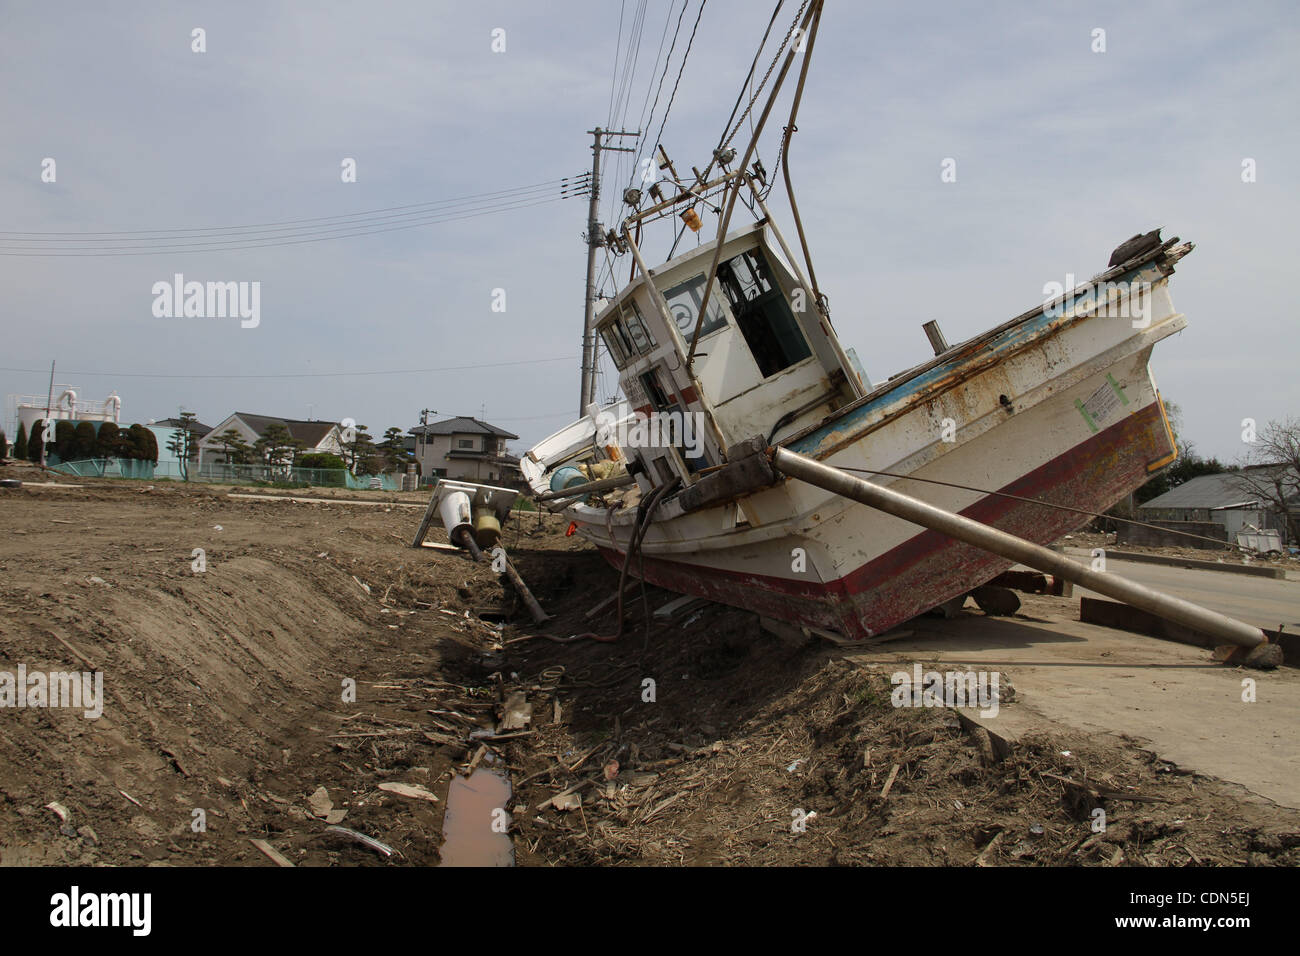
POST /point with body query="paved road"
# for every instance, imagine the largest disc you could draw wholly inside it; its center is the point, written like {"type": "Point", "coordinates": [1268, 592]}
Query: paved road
{"type": "Point", "coordinates": [1264, 602]}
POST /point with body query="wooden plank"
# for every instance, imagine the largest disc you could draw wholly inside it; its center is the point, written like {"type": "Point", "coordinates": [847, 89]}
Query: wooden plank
{"type": "Point", "coordinates": [276, 857]}
{"type": "Point", "coordinates": [893, 774]}
{"type": "Point", "coordinates": [429, 512]}
{"type": "Point", "coordinates": [681, 605]}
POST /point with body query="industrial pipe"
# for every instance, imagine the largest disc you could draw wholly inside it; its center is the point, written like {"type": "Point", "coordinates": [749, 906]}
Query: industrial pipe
{"type": "Point", "coordinates": [588, 488]}
{"type": "Point", "coordinates": [1015, 549]}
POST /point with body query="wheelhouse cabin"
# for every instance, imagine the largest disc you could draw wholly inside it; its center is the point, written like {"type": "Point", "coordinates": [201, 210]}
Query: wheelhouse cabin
{"type": "Point", "coordinates": [767, 362]}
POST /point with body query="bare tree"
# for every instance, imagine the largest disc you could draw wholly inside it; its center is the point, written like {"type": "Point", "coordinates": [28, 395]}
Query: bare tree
{"type": "Point", "coordinates": [1272, 472]}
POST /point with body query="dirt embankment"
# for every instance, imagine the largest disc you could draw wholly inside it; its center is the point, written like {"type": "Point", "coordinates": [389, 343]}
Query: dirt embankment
{"type": "Point", "coordinates": [227, 709]}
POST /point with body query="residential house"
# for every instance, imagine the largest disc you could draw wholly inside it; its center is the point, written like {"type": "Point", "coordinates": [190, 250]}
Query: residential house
{"type": "Point", "coordinates": [164, 429]}
{"type": "Point", "coordinates": [314, 436]}
{"type": "Point", "coordinates": [465, 449]}
{"type": "Point", "coordinates": [1219, 506]}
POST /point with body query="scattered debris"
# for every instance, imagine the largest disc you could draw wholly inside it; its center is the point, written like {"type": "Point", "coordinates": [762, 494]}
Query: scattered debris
{"type": "Point", "coordinates": [276, 857]}
{"type": "Point", "coordinates": [322, 806]}
{"type": "Point", "coordinates": [369, 843]}
{"type": "Point", "coordinates": [517, 712]}
{"type": "Point", "coordinates": [414, 791]}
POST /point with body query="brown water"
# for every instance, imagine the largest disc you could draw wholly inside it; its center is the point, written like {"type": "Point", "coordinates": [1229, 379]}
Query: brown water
{"type": "Point", "coordinates": [476, 811]}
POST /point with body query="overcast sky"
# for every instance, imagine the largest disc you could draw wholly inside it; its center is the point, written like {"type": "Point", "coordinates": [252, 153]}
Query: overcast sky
{"type": "Point", "coordinates": [1061, 153]}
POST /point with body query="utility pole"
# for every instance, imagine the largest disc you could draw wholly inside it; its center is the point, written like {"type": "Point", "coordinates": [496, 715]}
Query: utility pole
{"type": "Point", "coordinates": [49, 401]}
{"type": "Point", "coordinates": [424, 434]}
{"type": "Point", "coordinates": [595, 239]}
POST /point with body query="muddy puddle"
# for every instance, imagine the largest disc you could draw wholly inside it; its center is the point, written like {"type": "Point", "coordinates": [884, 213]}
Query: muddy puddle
{"type": "Point", "coordinates": [476, 820]}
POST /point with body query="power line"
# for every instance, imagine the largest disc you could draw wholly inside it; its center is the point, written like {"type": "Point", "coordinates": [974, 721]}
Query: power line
{"type": "Point", "coordinates": [749, 78]}
{"type": "Point", "coordinates": [281, 375]}
{"type": "Point", "coordinates": [613, 80]}
{"type": "Point", "coordinates": [662, 39]}
{"type": "Point", "coordinates": [667, 63]}
{"type": "Point", "coordinates": [623, 101]}
{"type": "Point", "coordinates": [227, 244]}
{"type": "Point", "coordinates": [616, 199]}
{"type": "Point", "coordinates": [579, 185]}
{"type": "Point", "coordinates": [680, 71]}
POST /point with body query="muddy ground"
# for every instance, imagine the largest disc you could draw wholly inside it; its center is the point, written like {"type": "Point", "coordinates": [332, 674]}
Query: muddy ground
{"type": "Point", "coordinates": [227, 710]}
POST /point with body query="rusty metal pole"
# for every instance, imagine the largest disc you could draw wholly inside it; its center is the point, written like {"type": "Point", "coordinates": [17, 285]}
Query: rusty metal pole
{"type": "Point", "coordinates": [466, 540]}
{"type": "Point", "coordinates": [1015, 549]}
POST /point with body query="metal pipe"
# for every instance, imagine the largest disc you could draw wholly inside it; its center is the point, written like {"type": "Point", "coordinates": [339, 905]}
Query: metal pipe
{"type": "Point", "coordinates": [1015, 549]}
{"type": "Point", "coordinates": [735, 191]}
{"type": "Point", "coordinates": [539, 616]}
{"type": "Point", "coordinates": [850, 373]}
{"type": "Point", "coordinates": [466, 540]}
{"type": "Point", "coordinates": [790, 130]}
{"type": "Point", "coordinates": [935, 335]}
{"type": "Point", "coordinates": [590, 487]}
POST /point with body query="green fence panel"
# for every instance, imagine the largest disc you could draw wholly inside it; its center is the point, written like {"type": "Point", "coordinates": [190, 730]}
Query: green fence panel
{"type": "Point", "coordinates": [228, 474]}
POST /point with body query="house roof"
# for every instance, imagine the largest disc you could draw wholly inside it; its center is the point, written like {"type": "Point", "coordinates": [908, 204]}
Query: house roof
{"type": "Point", "coordinates": [309, 433]}
{"type": "Point", "coordinates": [1213, 491]}
{"type": "Point", "coordinates": [197, 427]}
{"type": "Point", "coordinates": [461, 426]}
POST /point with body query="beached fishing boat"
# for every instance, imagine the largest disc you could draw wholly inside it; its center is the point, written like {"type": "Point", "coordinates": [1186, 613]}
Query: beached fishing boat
{"type": "Point", "coordinates": [731, 470]}
{"type": "Point", "coordinates": [1055, 407]}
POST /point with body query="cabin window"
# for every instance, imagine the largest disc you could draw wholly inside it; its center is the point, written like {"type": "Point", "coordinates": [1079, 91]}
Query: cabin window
{"type": "Point", "coordinates": [684, 306]}
{"type": "Point", "coordinates": [627, 335]}
{"type": "Point", "coordinates": [762, 313]}
{"type": "Point", "coordinates": [637, 332]}
{"type": "Point", "coordinates": [616, 348]}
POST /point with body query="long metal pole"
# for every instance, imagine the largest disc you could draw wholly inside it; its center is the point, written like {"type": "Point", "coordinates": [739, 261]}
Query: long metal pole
{"type": "Point", "coordinates": [735, 191]}
{"type": "Point", "coordinates": [1015, 549]}
{"type": "Point", "coordinates": [589, 302]}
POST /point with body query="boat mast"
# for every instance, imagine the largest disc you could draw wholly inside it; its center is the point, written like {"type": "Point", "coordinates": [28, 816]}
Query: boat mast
{"type": "Point", "coordinates": [595, 239]}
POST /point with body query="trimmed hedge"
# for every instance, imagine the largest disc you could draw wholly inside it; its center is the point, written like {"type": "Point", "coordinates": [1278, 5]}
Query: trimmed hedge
{"type": "Point", "coordinates": [35, 441]}
{"type": "Point", "coordinates": [65, 439]}
{"type": "Point", "coordinates": [108, 443]}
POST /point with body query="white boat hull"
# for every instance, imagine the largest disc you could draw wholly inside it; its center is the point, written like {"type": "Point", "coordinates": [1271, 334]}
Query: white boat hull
{"type": "Point", "coordinates": [1060, 410]}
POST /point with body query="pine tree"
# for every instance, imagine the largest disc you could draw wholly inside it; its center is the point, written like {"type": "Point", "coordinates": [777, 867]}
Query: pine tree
{"type": "Point", "coordinates": [184, 444]}
{"type": "Point", "coordinates": [234, 449]}
{"type": "Point", "coordinates": [20, 446]}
